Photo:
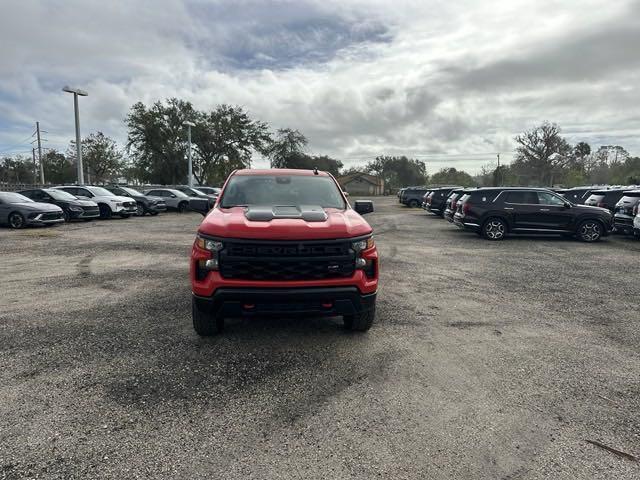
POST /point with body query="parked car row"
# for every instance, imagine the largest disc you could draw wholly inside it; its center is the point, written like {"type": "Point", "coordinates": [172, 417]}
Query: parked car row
{"type": "Point", "coordinates": [64, 203]}
{"type": "Point", "coordinates": [495, 212]}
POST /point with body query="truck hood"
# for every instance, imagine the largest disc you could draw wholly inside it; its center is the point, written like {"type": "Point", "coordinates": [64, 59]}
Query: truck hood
{"type": "Point", "coordinates": [233, 223]}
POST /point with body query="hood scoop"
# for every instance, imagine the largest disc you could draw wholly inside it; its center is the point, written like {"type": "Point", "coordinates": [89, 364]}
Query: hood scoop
{"type": "Point", "coordinates": [308, 213]}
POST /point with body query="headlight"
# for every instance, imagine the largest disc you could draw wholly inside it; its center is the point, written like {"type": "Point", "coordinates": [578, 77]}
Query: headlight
{"type": "Point", "coordinates": [119, 204]}
{"type": "Point", "coordinates": [208, 244]}
{"type": "Point", "coordinates": [361, 245]}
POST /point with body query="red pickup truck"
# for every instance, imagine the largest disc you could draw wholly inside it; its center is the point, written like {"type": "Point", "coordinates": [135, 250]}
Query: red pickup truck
{"type": "Point", "coordinates": [283, 242]}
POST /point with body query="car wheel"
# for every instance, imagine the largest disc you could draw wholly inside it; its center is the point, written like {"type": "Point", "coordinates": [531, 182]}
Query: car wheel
{"type": "Point", "coordinates": [589, 231]}
{"type": "Point", "coordinates": [140, 210]}
{"type": "Point", "coordinates": [413, 203]}
{"type": "Point", "coordinates": [204, 323]}
{"type": "Point", "coordinates": [105, 211]}
{"type": "Point", "coordinates": [182, 207]}
{"type": "Point", "coordinates": [494, 229]}
{"type": "Point", "coordinates": [16, 220]}
{"type": "Point", "coordinates": [360, 322]}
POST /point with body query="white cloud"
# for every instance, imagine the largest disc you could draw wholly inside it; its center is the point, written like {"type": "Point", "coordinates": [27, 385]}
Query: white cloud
{"type": "Point", "coordinates": [432, 79]}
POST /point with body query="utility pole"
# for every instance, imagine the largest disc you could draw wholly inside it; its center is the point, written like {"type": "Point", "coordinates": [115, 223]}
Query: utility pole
{"type": "Point", "coordinates": [82, 93]}
{"type": "Point", "coordinates": [40, 154]}
{"type": "Point", "coordinates": [189, 125]}
{"type": "Point", "coordinates": [498, 170]}
{"type": "Point", "coordinates": [35, 165]}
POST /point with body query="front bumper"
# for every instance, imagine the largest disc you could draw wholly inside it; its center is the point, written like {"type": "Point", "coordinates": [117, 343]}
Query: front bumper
{"type": "Point", "coordinates": [332, 301]}
{"type": "Point", "coordinates": [88, 213]}
{"type": "Point", "coordinates": [47, 218]}
{"type": "Point", "coordinates": [158, 207]}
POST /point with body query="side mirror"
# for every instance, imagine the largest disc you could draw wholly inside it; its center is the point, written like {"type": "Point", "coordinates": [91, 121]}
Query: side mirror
{"type": "Point", "coordinates": [173, 195]}
{"type": "Point", "coordinates": [363, 206]}
{"type": "Point", "coordinates": [567, 205]}
{"type": "Point", "coordinates": [346, 194]}
{"type": "Point", "coordinates": [200, 205]}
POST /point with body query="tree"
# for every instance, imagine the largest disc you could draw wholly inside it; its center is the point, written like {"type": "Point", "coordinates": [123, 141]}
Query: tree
{"type": "Point", "coordinates": [451, 176]}
{"type": "Point", "coordinates": [101, 158]}
{"type": "Point", "coordinates": [541, 153]}
{"type": "Point", "coordinates": [59, 168]}
{"type": "Point", "coordinates": [288, 146]}
{"type": "Point", "coordinates": [157, 140]}
{"type": "Point", "coordinates": [224, 140]}
{"type": "Point", "coordinates": [18, 169]}
{"type": "Point", "coordinates": [398, 171]}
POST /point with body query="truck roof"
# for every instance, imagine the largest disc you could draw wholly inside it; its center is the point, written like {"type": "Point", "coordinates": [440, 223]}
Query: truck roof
{"type": "Point", "coordinates": [279, 171]}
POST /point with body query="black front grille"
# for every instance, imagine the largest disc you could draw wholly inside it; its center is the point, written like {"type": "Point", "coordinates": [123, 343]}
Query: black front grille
{"type": "Point", "coordinates": [286, 260]}
{"type": "Point", "coordinates": [51, 216]}
{"type": "Point", "coordinates": [130, 204]}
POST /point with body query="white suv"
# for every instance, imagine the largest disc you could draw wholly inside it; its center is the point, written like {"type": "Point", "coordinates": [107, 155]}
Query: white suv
{"type": "Point", "coordinates": [109, 203]}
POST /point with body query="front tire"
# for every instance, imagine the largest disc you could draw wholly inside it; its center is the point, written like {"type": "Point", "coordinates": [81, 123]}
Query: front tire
{"type": "Point", "coordinates": [361, 322]}
{"type": "Point", "coordinates": [413, 203]}
{"type": "Point", "coordinates": [16, 220]}
{"type": "Point", "coordinates": [182, 207]}
{"type": "Point", "coordinates": [105, 211]}
{"type": "Point", "coordinates": [589, 231]}
{"type": "Point", "coordinates": [494, 229]}
{"type": "Point", "coordinates": [204, 323]}
{"type": "Point", "coordinates": [140, 210]}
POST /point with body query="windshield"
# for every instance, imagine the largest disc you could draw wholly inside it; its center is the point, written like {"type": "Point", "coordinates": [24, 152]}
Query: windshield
{"type": "Point", "coordinates": [103, 192]}
{"type": "Point", "coordinates": [131, 191]}
{"type": "Point", "coordinates": [10, 197]}
{"type": "Point", "coordinates": [198, 192]}
{"type": "Point", "coordinates": [60, 195]}
{"type": "Point", "coordinates": [244, 190]}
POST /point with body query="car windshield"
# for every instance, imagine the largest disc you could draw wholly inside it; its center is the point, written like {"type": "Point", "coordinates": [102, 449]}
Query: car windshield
{"type": "Point", "coordinates": [10, 197]}
{"type": "Point", "coordinates": [102, 192]}
{"type": "Point", "coordinates": [199, 193]}
{"type": "Point", "coordinates": [131, 191]}
{"type": "Point", "coordinates": [245, 190]}
{"type": "Point", "coordinates": [60, 195]}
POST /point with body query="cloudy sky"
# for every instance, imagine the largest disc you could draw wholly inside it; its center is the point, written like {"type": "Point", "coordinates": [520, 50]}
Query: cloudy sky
{"type": "Point", "coordinates": [447, 82]}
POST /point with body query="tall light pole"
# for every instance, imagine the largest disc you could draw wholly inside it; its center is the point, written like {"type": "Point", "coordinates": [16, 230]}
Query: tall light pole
{"type": "Point", "coordinates": [189, 125]}
{"type": "Point", "coordinates": [82, 93]}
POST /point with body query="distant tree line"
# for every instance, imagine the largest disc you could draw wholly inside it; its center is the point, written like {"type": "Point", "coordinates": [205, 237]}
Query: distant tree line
{"type": "Point", "coordinates": [227, 138]}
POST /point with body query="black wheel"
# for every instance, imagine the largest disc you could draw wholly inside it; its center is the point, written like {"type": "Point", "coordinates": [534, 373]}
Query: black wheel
{"type": "Point", "coordinates": [204, 323]}
{"type": "Point", "coordinates": [16, 220]}
{"type": "Point", "coordinates": [360, 322]}
{"type": "Point", "coordinates": [105, 211]}
{"type": "Point", "coordinates": [65, 214]}
{"type": "Point", "coordinates": [589, 231]}
{"type": "Point", "coordinates": [494, 229]}
{"type": "Point", "coordinates": [140, 210]}
{"type": "Point", "coordinates": [413, 203]}
{"type": "Point", "coordinates": [124, 215]}
{"type": "Point", "coordinates": [182, 207]}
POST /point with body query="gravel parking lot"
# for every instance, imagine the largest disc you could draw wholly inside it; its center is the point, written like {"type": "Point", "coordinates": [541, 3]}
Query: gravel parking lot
{"type": "Point", "coordinates": [488, 360]}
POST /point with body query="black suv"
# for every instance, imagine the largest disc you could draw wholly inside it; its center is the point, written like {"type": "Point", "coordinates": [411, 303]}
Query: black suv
{"type": "Point", "coordinates": [144, 203]}
{"type": "Point", "coordinates": [72, 207]}
{"type": "Point", "coordinates": [437, 198]}
{"type": "Point", "coordinates": [625, 211]}
{"type": "Point", "coordinates": [605, 198]}
{"type": "Point", "coordinates": [577, 195]}
{"type": "Point", "coordinates": [495, 212]}
{"type": "Point", "coordinates": [412, 196]}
